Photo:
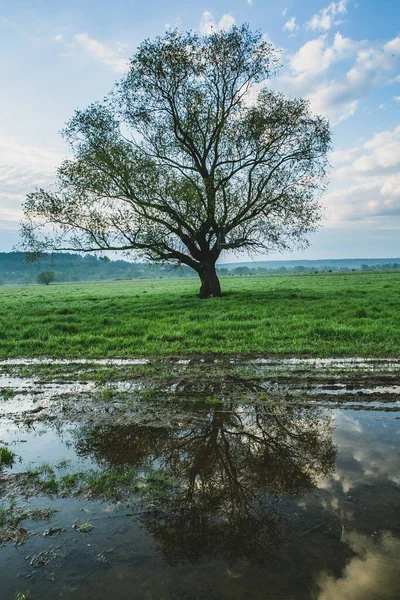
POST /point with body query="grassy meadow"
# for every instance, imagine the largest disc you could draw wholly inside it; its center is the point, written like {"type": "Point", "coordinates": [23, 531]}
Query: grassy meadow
{"type": "Point", "coordinates": [355, 314]}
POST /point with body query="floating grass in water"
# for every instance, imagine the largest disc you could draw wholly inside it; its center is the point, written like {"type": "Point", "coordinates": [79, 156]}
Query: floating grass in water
{"type": "Point", "coordinates": [6, 457]}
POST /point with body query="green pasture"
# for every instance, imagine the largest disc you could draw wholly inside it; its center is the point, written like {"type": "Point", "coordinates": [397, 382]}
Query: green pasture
{"type": "Point", "coordinates": [355, 314]}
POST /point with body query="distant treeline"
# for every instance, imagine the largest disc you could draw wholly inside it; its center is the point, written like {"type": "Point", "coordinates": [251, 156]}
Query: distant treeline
{"type": "Point", "coordinates": [15, 269]}
{"type": "Point", "coordinates": [243, 270]}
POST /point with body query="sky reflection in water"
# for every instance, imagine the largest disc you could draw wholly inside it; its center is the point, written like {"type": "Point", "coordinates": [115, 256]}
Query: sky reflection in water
{"type": "Point", "coordinates": [237, 502]}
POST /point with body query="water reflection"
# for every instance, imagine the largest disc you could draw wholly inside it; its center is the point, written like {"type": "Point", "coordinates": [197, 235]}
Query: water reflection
{"type": "Point", "coordinates": [219, 483]}
{"type": "Point", "coordinates": [374, 572]}
{"type": "Point", "coordinates": [228, 502]}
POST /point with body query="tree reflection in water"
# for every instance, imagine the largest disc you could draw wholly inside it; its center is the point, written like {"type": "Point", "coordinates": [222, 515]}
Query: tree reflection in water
{"type": "Point", "coordinates": [217, 488]}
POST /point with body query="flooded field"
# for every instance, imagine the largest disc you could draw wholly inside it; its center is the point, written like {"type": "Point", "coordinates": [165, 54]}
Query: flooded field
{"type": "Point", "coordinates": [192, 479]}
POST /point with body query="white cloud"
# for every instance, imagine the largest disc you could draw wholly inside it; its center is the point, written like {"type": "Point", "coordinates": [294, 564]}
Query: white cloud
{"type": "Point", "coordinates": [108, 55]}
{"type": "Point", "coordinates": [368, 182]}
{"type": "Point", "coordinates": [338, 157]}
{"type": "Point", "coordinates": [367, 203]}
{"type": "Point", "coordinates": [111, 57]}
{"type": "Point", "coordinates": [208, 24]}
{"type": "Point", "coordinates": [226, 22]}
{"type": "Point", "coordinates": [371, 69]}
{"type": "Point", "coordinates": [250, 2]}
{"type": "Point", "coordinates": [291, 25]}
{"type": "Point", "coordinates": [382, 151]}
{"type": "Point", "coordinates": [315, 56]}
{"type": "Point", "coordinates": [338, 97]}
{"type": "Point", "coordinates": [284, 12]}
{"type": "Point", "coordinates": [328, 17]}
{"type": "Point", "coordinates": [397, 98]}
{"type": "Point", "coordinates": [373, 571]}
{"type": "Point", "coordinates": [176, 25]}
{"type": "Point", "coordinates": [22, 169]}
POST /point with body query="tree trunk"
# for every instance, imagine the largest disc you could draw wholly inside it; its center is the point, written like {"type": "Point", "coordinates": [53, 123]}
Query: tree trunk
{"type": "Point", "coordinates": [210, 286]}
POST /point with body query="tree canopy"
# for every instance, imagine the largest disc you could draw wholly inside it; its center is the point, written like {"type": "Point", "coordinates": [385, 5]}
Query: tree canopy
{"type": "Point", "coordinates": [189, 156]}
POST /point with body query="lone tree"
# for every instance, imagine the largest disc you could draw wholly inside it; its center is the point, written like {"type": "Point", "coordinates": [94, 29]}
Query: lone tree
{"type": "Point", "coordinates": [46, 277]}
{"type": "Point", "coordinates": [189, 156]}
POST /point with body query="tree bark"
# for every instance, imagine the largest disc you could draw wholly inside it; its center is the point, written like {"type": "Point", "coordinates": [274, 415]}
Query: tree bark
{"type": "Point", "coordinates": [210, 286]}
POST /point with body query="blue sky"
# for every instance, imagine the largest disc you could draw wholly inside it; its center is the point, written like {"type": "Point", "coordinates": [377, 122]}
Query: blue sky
{"type": "Point", "coordinates": [344, 55]}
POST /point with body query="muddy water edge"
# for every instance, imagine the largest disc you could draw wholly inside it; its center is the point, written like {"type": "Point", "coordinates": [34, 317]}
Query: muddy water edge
{"type": "Point", "coordinates": [200, 478]}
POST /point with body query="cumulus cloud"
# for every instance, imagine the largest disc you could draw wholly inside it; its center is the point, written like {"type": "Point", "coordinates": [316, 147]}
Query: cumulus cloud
{"type": "Point", "coordinates": [338, 97]}
{"type": "Point", "coordinates": [364, 459]}
{"type": "Point", "coordinates": [291, 25]}
{"type": "Point", "coordinates": [376, 155]}
{"type": "Point", "coordinates": [373, 203]}
{"type": "Point", "coordinates": [208, 24]}
{"type": "Point", "coordinates": [367, 180]}
{"type": "Point", "coordinates": [373, 573]}
{"type": "Point", "coordinates": [328, 17]}
{"type": "Point", "coordinates": [316, 56]}
{"type": "Point", "coordinates": [338, 157]}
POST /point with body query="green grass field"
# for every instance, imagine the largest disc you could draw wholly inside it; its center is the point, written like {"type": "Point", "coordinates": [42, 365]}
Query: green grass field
{"type": "Point", "coordinates": [355, 314]}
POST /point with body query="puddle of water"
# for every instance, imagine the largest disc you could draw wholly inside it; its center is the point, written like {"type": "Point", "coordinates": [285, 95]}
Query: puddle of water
{"type": "Point", "coordinates": [376, 364]}
{"type": "Point", "coordinates": [74, 361]}
{"type": "Point", "coordinates": [341, 389]}
{"type": "Point", "coordinates": [24, 394]}
{"type": "Point", "coordinates": [329, 389]}
{"type": "Point", "coordinates": [29, 395]}
{"type": "Point", "coordinates": [369, 405]}
{"type": "Point", "coordinates": [41, 443]}
{"type": "Point", "coordinates": [220, 501]}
